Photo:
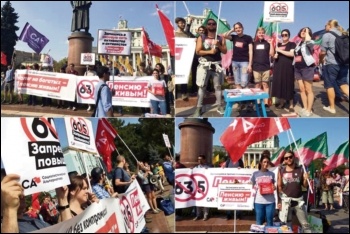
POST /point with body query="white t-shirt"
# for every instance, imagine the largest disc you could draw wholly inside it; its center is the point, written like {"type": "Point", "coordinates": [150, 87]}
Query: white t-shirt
{"type": "Point", "coordinates": [156, 84]}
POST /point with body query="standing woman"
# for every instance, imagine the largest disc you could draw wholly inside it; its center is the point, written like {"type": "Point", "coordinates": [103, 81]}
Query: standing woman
{"type": "Point", "coordinates": [304, 69]}
{"type": "Point", "coordinates": [283, 72]}
{"type": "Point", "coordinates": [160, 67]}
{"type": "Point", "coordinates": [264, 204]}
{"type": "Point", "coordinates": [156, 90]}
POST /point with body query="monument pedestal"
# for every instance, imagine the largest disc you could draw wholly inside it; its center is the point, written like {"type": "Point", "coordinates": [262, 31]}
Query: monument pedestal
{"type": "Point", "coordinates": [196, 138]}
{"type": "Point", "coordinates": [79, 42]}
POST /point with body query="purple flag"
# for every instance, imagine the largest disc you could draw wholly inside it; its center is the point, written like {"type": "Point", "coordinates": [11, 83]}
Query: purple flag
{"type": "Point", "coordinates": [34, 39]}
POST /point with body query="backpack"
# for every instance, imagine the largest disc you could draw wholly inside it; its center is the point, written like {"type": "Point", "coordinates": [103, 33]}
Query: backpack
{"type": "Point", "coordinates": [123, 188]}
{"type": "Point", "coordinates": [341, 45]}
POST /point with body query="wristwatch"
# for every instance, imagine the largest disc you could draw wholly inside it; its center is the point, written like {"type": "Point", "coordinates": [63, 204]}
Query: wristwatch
{"type": "Point", "coordinates": [62, 207]}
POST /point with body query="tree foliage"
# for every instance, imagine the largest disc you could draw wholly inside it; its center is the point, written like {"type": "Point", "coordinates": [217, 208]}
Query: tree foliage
{"type": "Point", "coordinates": [9, 18]}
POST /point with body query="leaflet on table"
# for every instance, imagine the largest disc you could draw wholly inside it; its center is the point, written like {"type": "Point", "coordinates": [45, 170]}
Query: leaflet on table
{"type": "Point", "coordinates": [246, 92]}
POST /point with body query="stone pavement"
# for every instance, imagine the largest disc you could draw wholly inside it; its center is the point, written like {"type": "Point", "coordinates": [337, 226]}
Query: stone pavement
{"type": "Point", "coordinates": [187, 108]}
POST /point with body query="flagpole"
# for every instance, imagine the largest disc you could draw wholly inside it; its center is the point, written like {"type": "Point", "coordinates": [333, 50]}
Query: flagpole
{"type": "Point", "coordinates": [87, 174]}
{"type": "Point", "coordinates": [127, 147]}
{"type": "Point", "coordinates": [99, 161]}
{"type": "Point", "coordinates": [217, 27]}
{"type": "Point", "coordinates": [188, 12]}
{"type": "Point", "coordinates": [302, 163]}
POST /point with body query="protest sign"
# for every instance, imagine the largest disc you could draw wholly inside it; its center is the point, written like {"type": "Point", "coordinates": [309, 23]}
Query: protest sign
{"type": "Point", "coordinates": [87, 59]}
{"type": "Point", "coordinates": [166, 141]}
{"type": "Point", "coordinates": [34, 143]}
{"type": "Point", "coordinates": [184, 52]}
{"type": "Point", "coordinates": [235, 197]}
{"type": "Point", "coordinates": [281, 11]}
{"type": "Point", "coordinates": [113, 42]}
{"type": "Point", "coordinates": [46, 84]}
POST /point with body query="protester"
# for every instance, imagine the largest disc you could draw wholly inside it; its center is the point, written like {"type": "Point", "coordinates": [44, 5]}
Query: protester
{"type": "Point", "coordinates": [98, 180]}
{"type": "Point", "coordinates": [290, 180]}
{"type": "Point", "coordinates": [304, 70]}
{"type": "Point", "coordinates": [167, 78]}
{"type": "Point", "coordinates": [283, 72]}
{"type": "Point", "coordinates": [156, 93]}
{"type": "Point", "coordinates": [169, 169]}
{"type": "Point", "coordinates": [327, 183]}
{"type": "Point", "coordinates": [60, 103]}
{"type": "Point", "coordinates": [142, 71]}
{"type": "Point", "coordinates": [345, 190]}
{"type": "Point", "coordinates": [17, 90]}
{"type": "Point", "coordinates": [334, 72]}
{"type": "Point", "coordinates": [264, 202]}
{"type": "Point", "coordinates": [209, 48]}
{"type": "Point", "coordinates": [115, 72]}
{"type": "Point", "coordinates": [317, 182]}
{"type": "Point", "coordinates": [103, 95]}
{"type": "Point", "coordinates": [9, 84]}
{"type": "Point", "coordinates": [155, 171]}
{"type": "Point", "coordinates": [13, 207]}
{"type": "Point", "coordinates": [121, 179]}
{"type": "Point", "coordinates": [199, 210]}
{"type": "Point", "coordinates": [46, 212]}
{"type": "Point", "coordinates": [71, 70]}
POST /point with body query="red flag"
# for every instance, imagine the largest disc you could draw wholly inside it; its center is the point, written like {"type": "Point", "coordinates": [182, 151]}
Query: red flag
{"type": "Point", "coordinates": [149, 46]}
{"type": "Point", "coordinates": [168, 31]}
{"type": "Point", "coordinates": [35, 201]}
{"type": "Point", "coordinates": [3, 58]}
{"type": "Point", "coordinates": [246, 131]}
{"type": "Point", "coordinates": [105, 141]}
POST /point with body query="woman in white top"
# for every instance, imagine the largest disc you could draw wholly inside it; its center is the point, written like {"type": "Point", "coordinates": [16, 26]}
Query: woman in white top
{"type": "Point", "coordinates": [156, 90]}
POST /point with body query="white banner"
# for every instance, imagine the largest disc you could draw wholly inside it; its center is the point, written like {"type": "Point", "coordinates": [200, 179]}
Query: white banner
{"type": "Point", "coordinates": [102, 217]}
{"type": "Point", "coordinates": [166, 141]}
{"type": "Point", "coordinates": [235, 197]}
{"type": "Point", "coordinates": [87, 59]}
{"type": "Point", "coordinates": [80, 134]}
{"type": "Point", "coordinates": [113, 42]}
{"type": "Point", "coordinates": [31, 149]}
{"type": "Point", "coordinates": [199, 186]}
{"type": "Point", "coordinates": [129, 91]}
{"type": "Point", "coordinates": [123, 215]}
{"type": "Point", "coordinates": [184, 52]}
{"type": "Point", "coordinates": [279, 11]}
{"type": "Point", "coordinates": [46, 84]}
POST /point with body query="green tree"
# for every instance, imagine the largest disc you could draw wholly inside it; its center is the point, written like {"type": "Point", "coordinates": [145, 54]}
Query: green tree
{"type": "Point", "coordinates": [9, 18]}
{"type": "Point", "coordinates": [57, 65]}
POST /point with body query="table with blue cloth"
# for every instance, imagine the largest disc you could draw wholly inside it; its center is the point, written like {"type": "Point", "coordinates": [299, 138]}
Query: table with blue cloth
{"type": "Point", "coordinates": [239, 95]}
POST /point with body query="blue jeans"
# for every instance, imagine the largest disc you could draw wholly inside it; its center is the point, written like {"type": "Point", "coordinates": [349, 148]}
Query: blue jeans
{"type": "Point", "coordinates": [264, 211]}
{"type": "Point", "coordinates": [240, 73]}
{"type": "Point", "coordinates": [158, 104]}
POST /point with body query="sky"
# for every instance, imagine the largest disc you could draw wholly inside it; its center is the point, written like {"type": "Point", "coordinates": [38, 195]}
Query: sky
{"type": "Point", "coordinates": [53, 19]}
{"type": "Point", "coordinates": [306, 13]}
{"type": "Point", "coordinates": [304, 128]}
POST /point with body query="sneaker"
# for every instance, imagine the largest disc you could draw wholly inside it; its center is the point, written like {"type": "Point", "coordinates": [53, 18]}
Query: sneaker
{"type": "Point", "coordinates": [196, 218]}
{"type": "Point", "coordinates": [302, 112]}
{"type": "Point", "coordinates": [328, 108]}
{"type": "Point", "coordinates": [68, 108]}
{"type": "Point", "coordinates": [205, 218]}
{"type": "Point", "coordinates": [198, 111]}
{"type": "Point", "coordinates": [155, 212]}
{"type": "Point", "coordinates": [74, 108]}
{"type": "Point", "coordinates": [89, 108]}
{"type": "Point", "coordinates": [220, 110]}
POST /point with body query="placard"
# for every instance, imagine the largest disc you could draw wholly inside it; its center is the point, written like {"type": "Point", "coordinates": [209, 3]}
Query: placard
{"type": "Point", "coordinates": [184, 52]}
{"type": "Point", "coordinates": [87, 59]}
{"type": "Point", "coordinates": [114, 42]}
{"type": "Point", "coordinates": [279, 11]}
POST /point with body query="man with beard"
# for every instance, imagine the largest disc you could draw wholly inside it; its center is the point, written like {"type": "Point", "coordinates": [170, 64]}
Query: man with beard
{"type": "Point", "coordinates": [209, 49]}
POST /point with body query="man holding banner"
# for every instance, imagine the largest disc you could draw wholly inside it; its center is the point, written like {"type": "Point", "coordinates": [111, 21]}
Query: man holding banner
{"type": "Point", "coordinates": [209, 47]}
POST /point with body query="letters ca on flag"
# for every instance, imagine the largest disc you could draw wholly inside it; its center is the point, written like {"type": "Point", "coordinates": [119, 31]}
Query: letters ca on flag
{"type": "Point", "coordinates": [34, 39]}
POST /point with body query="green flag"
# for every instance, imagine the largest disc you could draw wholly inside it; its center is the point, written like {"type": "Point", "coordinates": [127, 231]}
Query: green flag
{"type": "Point", "coordinates": [314, 149]}
{"type": "Point", "coordinates": [277, 155]}
{"type": "Point", "coordinates": [340, 157]}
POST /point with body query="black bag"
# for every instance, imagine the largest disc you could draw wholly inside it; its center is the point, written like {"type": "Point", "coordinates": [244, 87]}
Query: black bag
{"type": "Point", "coordinates": [98, 99]}
{"type": "Point", "coordinates": [341, 45]}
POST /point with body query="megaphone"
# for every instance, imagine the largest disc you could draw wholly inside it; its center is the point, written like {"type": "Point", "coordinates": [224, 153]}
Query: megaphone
{"type": "Point", "coordinates": [153, 179]}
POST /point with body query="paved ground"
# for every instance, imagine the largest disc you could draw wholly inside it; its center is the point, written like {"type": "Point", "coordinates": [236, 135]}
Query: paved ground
{"type": "Point", "coordinates": [187, 108]}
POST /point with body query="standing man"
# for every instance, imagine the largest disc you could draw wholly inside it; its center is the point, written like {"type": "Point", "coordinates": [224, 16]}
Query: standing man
{"type": "Point", "coordinates": [202, 164]}
{"type": "Point", "coordinates": [71, 70]}
{"type": "Point", "coordinates": [115, 72]}
{"type": "Point", "coordinates": [169, 170]}
{"type": "Point", "coordinates": [121, 178]}
{"type": "Point", "coordinates": [9, 84]}
{"type": "Point", "coordinates": [209, 49]}
{"type": "Point", "coordinates": [102, 92]}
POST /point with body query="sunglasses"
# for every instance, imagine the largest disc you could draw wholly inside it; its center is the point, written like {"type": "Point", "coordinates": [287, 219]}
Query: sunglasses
{"type": "Point", "coordinates": [285, 35]}
{"type": "Point", "coordinates": [211, 24]}
{"type": "Point", "coordinates": [288, 157]}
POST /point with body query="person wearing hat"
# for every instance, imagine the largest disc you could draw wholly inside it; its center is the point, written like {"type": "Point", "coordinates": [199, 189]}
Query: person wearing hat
{"type": "Point", "coordinates": [98, 179]}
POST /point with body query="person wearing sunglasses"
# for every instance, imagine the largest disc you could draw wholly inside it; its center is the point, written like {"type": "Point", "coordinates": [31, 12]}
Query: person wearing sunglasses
{"type": "Point", "coordinates": [291, 178]}
{"type": "Point", "coordinates": [209, 48]}
{"type": "Point", "coordinates": [304, 69]}
{"type": "Point", "coordinates": [283, 72]}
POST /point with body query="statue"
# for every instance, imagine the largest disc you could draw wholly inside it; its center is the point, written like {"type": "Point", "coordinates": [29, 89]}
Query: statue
{"type": "Point", "coordinates": [80, 19]}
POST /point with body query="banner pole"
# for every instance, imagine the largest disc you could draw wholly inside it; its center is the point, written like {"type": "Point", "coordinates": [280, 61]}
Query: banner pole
{"type": "Point", "coordinates": [234, 222]}
{"type": "Point", "coordinates": [127, 148]}
{"type": "Point", "coordinates": [188, 12]}
{"type": "Point", "coordinates": [217, 24]}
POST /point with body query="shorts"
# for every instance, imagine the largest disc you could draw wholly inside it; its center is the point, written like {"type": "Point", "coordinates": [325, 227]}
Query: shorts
{"type": "Point", "coordinates": [147, 188]}
{"type": "Point", "coordinates": [261, 76]}
{"type": "Point", "coordinates": [305, 74]}
{"type": "Point", "coordinates": [9, 86]}
{"type": "Point", "coordinates": [335, 75]}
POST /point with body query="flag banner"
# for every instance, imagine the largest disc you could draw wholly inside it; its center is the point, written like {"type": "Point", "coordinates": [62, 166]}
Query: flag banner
{"type": "Point", "coordinates": [282, 11]}
{"type": "Point", "coordinates": [166, 141]}
{"type": "Point", "coordinates": [80, 134]}
{"type": "Point", "coordinates": [35, 201]}
{"type": "Point", "coordinates": [3, 58]}
{"type": "Point", "coordinates": [113, 42]}
{"type": "Point", "coordinates": [46, 84]}
{"type": "Point", "coordinates": [277, 155]}
{"type": "Point", "coordinates": [216, 159]}
{"type": "Point", "coordinates": [34, 39]}
{"type": "Point", "coordinates": [37, 148]}
{"type": "Point", "coordinates": [235, 197]}
{"type": "Point", "coordinates": [168, 29]}
{"type": "Point", "coordinates": [46, 60]}
{"type": "Point", "coordinates": [314, 149]}
{"type": "Point", "coordinates": [149, 47]}
{"type": "Point", "coordinates": [87, 59]}
{"type": "Point", "coordinates": [200, 187]}
{"type": "Point", "coordinates": [105, 135]}
{"type": "Point", "coordinates": [226, 59]}
{"type": "Point", "coordinates": [129, 90]}
{"type": "Point", "coordinates": [184, 53]}
{"type": "Point", "coordinates": [340, 157]}
{"type": "Point", "coordinates": [246, 131]}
